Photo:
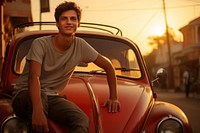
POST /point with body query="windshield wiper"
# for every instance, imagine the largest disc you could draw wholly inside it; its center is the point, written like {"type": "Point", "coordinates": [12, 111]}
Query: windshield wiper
{"type": "Point", "coordinates": [123, 69]}
{"type": "Point", "coordinates": [127, 69]}
{"type": "Point", "coordinates": [97, 71]}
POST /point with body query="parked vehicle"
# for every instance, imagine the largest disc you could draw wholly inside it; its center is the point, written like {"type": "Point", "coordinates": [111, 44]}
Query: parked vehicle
{"type": "Point", "coordinates": [88, 88]}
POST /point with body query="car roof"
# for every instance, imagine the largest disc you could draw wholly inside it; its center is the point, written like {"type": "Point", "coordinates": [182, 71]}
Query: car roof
{"type": "Point", "coordinates": [39, 26]}
{"type": "Point", "coordinates": [45, 28]}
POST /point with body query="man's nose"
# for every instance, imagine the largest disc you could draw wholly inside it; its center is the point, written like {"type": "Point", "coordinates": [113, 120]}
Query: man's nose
{"type": "Point", "coordinates": [69, 20]}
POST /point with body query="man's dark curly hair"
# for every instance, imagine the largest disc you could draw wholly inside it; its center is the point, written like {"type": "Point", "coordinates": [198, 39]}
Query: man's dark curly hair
{"type": "Point", "coordinates": [65, 6]}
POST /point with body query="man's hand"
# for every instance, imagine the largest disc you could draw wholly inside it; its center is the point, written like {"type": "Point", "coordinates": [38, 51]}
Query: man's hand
{"type": "Point", "coordinates": [112, 105]}
{"type": "Point", "coordinates": [39, 121]}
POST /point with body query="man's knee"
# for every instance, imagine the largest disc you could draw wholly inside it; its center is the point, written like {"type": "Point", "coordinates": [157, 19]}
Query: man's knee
{"type": "Point", "coordinates": [81, 120]}
{"type": "Point", "coordinates": [81, 125]}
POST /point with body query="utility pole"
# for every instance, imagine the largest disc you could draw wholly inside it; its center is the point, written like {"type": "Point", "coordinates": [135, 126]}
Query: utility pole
{"type": "Point", "coordinates": [44, 7]}
{"type": "Point", "coordinates": [170, 69]}
{"type": "Point", "coordinates": [40, 14]}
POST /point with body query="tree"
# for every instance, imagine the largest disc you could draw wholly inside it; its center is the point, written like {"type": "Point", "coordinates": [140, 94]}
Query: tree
{"type": "Point", "coordinates": [157, 41]}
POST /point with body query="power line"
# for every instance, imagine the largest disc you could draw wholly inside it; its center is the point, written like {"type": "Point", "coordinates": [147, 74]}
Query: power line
{"type": "Point", "coordinates": [137, 9]}
{"type": "Point", "coordinates": [121, 3]}
{"type": "Point", "coordinates": [196, 1]}
{"type": "Point", "coordinates": [146, 24]}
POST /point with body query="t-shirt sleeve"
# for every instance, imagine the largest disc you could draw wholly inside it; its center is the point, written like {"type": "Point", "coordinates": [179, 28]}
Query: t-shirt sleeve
{"type": "Point", "coordinates": [89, 54]}
{"type": "Point", "coordinates": [36, 51]}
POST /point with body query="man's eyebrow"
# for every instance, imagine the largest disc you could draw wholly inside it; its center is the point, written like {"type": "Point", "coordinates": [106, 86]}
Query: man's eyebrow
{"type": "Point", "coordinates": [68, 16]}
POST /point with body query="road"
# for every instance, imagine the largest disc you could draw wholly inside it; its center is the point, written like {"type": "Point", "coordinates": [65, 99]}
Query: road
{"type": "Point", "coordinates": [191, 105]}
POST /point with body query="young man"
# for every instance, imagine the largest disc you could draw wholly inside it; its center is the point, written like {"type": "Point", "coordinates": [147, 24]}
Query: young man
{"type": "Point", "coordinates": [50, 63]}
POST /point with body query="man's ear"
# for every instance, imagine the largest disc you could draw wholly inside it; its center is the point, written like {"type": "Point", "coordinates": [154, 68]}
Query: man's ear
{"type": "Point", "coordinates": [57, 25]}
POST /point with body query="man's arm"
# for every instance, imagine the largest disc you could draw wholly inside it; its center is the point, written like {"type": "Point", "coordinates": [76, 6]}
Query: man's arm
{"type": "Point", "coordinates": [39, 121]}
{"type": "Point", "coordinates": [113, 103]}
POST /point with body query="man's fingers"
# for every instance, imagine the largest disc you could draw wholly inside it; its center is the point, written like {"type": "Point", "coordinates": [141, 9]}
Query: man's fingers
{"type": "Point", "coordinates": [115, 107]}
{"type": "Point", "coordinates": [112, 105]}
{"type": "Point", "coordinates": [46, 129]}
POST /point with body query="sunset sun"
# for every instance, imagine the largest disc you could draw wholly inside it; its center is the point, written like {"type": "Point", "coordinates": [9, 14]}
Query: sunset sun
{"type": "Point", "coordinates": [158, 30]}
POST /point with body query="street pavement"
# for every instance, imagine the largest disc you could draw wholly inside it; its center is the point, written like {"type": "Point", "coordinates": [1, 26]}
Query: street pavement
{"type": "Point", "coordinates": [191, 105]}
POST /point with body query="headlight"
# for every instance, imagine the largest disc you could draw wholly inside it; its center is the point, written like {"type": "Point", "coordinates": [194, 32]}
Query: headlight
{"type": "Point", "coordinates": [14, 125]}
{"type": "Point", "coordinates": [170, 124]}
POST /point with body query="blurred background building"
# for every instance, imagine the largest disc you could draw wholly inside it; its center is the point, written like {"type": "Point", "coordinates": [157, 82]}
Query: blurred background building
{"type": "Point", "coordinates": [12, 13]}
{"type": "Point", "coordinates": [188, 58]}
{"type": "Point", "coordinates": [185, 55]}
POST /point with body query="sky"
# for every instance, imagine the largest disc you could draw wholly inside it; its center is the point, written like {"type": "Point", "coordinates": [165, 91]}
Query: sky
{"type": "Point", "coordinates": [138, 19]}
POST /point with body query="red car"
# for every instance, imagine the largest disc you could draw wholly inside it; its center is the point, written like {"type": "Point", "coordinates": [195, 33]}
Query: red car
{"type": "Point", "coordinates": [88, 88]}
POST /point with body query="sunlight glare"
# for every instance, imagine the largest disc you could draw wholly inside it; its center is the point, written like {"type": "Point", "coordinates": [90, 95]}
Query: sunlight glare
{"type": "Point", "coordinates": [158, 30]}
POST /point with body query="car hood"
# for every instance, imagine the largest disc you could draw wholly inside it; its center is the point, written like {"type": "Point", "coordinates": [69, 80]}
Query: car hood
{"type": "Point", "coordinates": [90, 93]}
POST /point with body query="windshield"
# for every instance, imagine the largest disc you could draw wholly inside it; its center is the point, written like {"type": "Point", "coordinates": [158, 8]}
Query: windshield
{"type": "Point", "coordinates": [121, 55]}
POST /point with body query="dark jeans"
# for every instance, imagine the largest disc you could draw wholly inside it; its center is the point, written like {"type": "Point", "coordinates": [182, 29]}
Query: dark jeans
{"type": "Point", "coordinates": [56, 108]}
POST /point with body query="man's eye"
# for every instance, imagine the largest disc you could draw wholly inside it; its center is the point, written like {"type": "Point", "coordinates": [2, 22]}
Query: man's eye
{"type": "Point", "coordinates": [73, 18]}
{"type": "Point", "coordinates": [63, 18]}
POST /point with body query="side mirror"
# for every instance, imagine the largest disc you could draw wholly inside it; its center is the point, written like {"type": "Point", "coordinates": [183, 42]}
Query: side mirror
{"type": "Point", "coordinates": [161, 73]}
{"type": "Point", "coordinates": [161, 77]}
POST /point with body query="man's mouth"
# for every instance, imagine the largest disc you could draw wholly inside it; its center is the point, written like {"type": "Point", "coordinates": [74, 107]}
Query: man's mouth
{"type": "Point", "coordinates": [68, 27]}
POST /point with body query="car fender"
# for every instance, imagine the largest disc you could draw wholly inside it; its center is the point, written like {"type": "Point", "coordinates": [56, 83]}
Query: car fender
{"type": "Point", "coordinates": [6, 109]}
{"type": "Point", "coordinates": [161, 110]}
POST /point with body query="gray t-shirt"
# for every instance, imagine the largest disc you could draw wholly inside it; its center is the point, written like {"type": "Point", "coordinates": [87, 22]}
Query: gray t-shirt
{"type": "Point", "coordinates": [56, 66]}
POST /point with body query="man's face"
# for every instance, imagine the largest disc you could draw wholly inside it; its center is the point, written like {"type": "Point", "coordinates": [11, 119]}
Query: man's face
{"type": "Point", "coordinates": [68, 22]}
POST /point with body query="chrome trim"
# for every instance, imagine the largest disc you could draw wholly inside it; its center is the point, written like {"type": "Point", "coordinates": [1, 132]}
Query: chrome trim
{"type": "Point", "coordinates": [170, 117]}
{"type": "Point", "coordinates": [10, 118]}
{"type": "Point", "coordinates": [97, 119]}
{"type": "Point", "coordinates": [151, 105]}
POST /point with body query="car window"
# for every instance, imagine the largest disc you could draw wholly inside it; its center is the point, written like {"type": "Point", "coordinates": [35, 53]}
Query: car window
{"type": "Point", "coordinates": [120, 54]}
{"type": "Point", "coordinates": [21, 53]}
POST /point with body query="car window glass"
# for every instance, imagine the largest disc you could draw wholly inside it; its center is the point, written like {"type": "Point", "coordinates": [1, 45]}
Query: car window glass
{"type": "Point", "coordinates": [120, 54]}
{"type": "Point", "coordinates": [21, 53]}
